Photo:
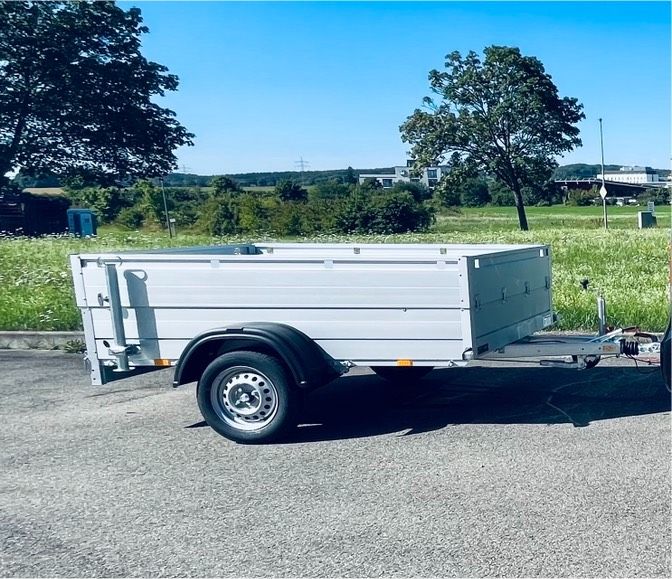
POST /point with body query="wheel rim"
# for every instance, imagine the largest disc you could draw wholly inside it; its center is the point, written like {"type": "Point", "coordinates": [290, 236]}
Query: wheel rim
{"type": "Point", "coordinates": [244, 398]}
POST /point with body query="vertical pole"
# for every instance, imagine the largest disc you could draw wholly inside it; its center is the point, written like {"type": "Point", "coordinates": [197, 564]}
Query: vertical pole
{"type": "Point", "coordinates": [165, 208]}
{"type": "Point", "coordinates": [604, 199]}
{"type": "Point", "coordinates": [602, 315]}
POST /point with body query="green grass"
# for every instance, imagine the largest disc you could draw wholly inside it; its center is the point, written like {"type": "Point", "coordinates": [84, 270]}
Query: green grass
{"type": "Point", "coordinates": [557, 216]}
{"type": "Point", "coordinates": [628, 265]}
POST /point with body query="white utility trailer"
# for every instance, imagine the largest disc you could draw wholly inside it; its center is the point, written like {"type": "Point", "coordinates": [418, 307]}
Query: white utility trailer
{"type": "Point", "coordinates": [258, 324]}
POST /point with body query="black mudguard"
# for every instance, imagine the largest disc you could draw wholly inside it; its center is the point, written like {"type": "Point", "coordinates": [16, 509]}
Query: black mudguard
{"type": "Point", "coordinates": [666, 356]}
{"type": "Point", "coordinates": [308, 363]}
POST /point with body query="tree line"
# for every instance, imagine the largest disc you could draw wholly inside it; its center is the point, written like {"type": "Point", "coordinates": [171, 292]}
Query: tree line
{"type": "Point", "coordinates": [309, 178]}
{"type": "Point", "coordinates": [78, 100]}
{"type": "Point", "coordinates": [225, 208]}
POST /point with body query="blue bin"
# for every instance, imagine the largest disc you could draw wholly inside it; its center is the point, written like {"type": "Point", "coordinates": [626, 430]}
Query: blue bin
{"type": "Point", "coordinates": [82, 222]}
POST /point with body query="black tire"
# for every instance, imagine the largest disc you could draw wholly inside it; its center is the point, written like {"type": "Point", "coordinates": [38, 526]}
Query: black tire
{"type": "Point", "coordinates": [248, 397]}
{"type": "Point", "coordinates": [402, 375]}
{"type": "Point", "coordinates": [591, 361]}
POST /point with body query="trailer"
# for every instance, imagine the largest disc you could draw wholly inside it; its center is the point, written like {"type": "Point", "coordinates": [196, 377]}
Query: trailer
{"type": "Point", "coordinates": [258, 325]}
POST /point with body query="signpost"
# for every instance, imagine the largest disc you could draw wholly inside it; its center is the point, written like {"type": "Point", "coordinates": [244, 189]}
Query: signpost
{"type": "Point", "coordinates": [603, 189]}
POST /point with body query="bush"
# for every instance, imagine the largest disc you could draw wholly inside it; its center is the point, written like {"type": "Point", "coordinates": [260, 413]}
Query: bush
{"type": "Point", "coordinates": [398, 213]}
{"type": "Point", "coordinates": [219, 216]}
{"type": "Point", "coordinates": [447, 195]}
{"type": "Point", "coordinates": [658, 196]}
{"type": "Point", "coordinates": [222, 185]}
{"type": "Point", "coordinates": [474, 193]}
{"type": "Point", "coordinates": [291, 219]}
{"type": "Point", "coordinates": [418, 190]}
{"type": "Point", "coordinates": [542, 195]}
{"type": "Point", "coordinates": [322, 215]}
{"type": "Point", "coordinates": [501, 195]}
{"type": "Point", "coordinates": [150, 202]}
{"type": "Point", "coordinates": [106, 202]}
{"type": "Point", "coordinates": [384, 213]}
{"type": "Point", "coordinates": [131, 217]}
{"type": "Point", "coordinates": [329, 190]}
{"type": "Point", "coordinates": [354, 213]}
{"type": "Point", "coordinates": [253, 213]}
{"type": "Point", "coordinates": [582, 197]}
{"type": "Point", "coordinates": [289, 191]}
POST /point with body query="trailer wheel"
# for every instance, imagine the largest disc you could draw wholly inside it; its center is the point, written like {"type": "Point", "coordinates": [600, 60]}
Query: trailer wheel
{"type": "Point", "coordinates": [248, 397]}
{"type": "Point", "coordinates": [402, 375]}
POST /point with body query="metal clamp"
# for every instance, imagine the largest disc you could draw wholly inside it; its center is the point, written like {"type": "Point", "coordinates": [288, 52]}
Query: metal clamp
{"type": "Point", "coordinates": [119, 348]}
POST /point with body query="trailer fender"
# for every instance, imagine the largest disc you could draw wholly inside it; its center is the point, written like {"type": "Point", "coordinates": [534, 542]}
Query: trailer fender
{"type": "Point", "coordinates": [309, 365]}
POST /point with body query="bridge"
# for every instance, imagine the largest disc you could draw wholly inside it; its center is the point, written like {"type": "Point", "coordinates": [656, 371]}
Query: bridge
{"type": "Point", "coordinates": [614, 188]}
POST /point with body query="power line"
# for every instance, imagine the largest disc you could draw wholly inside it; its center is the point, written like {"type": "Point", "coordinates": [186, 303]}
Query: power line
{"type": "Point", "coordinates": [302, 165]}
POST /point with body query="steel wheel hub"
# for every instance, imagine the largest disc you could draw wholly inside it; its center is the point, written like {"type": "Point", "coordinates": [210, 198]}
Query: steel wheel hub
{"type": "Point", "coordinates": [245, 398]}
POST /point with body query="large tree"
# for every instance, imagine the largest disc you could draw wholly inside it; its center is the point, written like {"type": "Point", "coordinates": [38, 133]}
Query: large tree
{"type": "Point", "coordinates": [501, 116]}
{"type": "Point", "coordinates": [77, 96]}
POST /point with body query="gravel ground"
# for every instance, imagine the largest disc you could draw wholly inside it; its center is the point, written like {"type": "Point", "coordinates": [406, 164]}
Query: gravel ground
{"type": "Point", "coordinates": [494, 470]}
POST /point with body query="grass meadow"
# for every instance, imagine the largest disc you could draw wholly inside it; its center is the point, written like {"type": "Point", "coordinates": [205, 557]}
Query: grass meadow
{"type": "Point", "coordinates": [629, 266]}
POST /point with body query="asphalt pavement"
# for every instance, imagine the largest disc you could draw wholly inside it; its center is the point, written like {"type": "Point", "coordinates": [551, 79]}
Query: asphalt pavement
{"type": "Point", "coordinates": [493, 470]}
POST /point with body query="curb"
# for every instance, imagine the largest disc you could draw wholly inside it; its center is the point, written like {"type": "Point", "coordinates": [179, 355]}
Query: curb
{"type": "Point", "coordinates": [41, 340]}
{"type": "Point", "coordinates": [73, 341]}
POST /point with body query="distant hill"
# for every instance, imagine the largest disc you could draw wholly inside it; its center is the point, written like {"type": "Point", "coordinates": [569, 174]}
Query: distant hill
{"type": "Point", "coordinates": [261, 179]}
{"type": "Point", "coordinates": [270, 179]}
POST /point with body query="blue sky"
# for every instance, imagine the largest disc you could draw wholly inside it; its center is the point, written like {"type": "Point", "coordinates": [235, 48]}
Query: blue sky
{"type": "Point", "coordinates": [264, 84]}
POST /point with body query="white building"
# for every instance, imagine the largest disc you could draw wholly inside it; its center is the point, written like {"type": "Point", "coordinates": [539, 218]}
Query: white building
{"type": "Point", "coordinates": [635, 175]}
{"type": "Point", "coordinates": [402, 174]}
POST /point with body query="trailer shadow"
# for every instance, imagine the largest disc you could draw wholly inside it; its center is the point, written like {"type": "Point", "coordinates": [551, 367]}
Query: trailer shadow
{"type": "Point", "coordinates": [365, 405]}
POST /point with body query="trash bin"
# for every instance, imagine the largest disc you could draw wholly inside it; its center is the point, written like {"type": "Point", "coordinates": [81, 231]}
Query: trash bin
{"type": "Point", "coordinates": [646, 219]}
{"type": "Point", "coordinates": [82, 222]}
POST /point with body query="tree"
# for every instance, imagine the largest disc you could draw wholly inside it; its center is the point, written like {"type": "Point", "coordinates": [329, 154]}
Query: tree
{"type": "Point", "coordinates": [418, 190]}
{"type": "Point", "coordinates": [474, 192]}
{"type": "Point", "coordinates": [290, 191]}
{"type": "Point", "coordinates": [583, 197]}
{"type": "Point", "coordinates": [150, 202]}
{"type": "Point", "coordinates": [222, 185]}
{"type": "Point", "coordinates": [106, 202]}
{"type": "Point", "coordinates": [398, 212]}
{"type": "Point", "coordinates": [500, 117]}
{"type": "Point", "coordinates": [658, 196]}
{"type": "Point", "coordinates": [369, 210]}
{"type": "Point", "coordinates": [350, 176]}
{"type": "Point", "coordinates": [329, 190]}
{"type": "Point", "coordinates": [219, 216]}
{"type": "Point", "coordinates": [76, 94]}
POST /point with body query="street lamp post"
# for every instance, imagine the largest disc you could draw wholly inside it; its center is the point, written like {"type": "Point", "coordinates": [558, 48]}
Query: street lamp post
{"type": "Point", "coordinates": [165, 208]}
{"type": "Point", "coordinates": [603, 189]}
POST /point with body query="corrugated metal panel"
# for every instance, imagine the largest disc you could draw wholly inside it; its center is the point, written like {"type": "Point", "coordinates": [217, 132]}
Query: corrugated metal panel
{"type": "Point", "coordinates": [319, 323]}
{"type": "Point", "coordinates": [280, 285]}
{"type": "Point", "coordinates": [360, 302]}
